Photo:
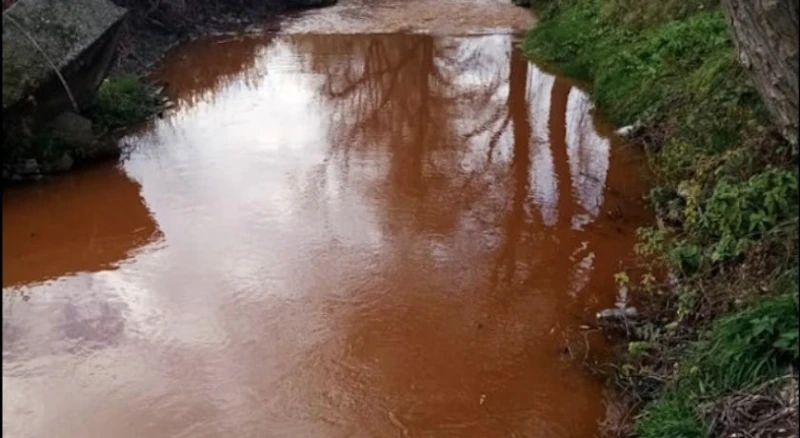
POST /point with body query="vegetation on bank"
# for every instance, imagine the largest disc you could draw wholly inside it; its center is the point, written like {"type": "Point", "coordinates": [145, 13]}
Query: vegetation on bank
{"type": "Point", "coordinates": [726, 322]}
{"type": "Point", "coordinates": [120, 102]}
{"type": "Point", "coordinates": [123, 101]}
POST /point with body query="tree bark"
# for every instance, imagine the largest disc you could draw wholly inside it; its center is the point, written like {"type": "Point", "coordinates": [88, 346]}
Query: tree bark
{"type": "Point", "coordinates": [766, 36]}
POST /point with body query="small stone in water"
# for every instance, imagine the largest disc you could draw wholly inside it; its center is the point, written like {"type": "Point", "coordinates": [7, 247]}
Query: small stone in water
{"type": "Point", "coordinates": [30, 166]}
{"type": "Point", "coordinates": [617, 313]}
{"type": "Point", "coordinates": [64, 164]}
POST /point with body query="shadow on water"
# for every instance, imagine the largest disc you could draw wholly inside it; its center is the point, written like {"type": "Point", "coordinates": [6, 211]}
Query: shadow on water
{"type": "Point", "coordinates": [82, 222]}
{"type": "Point", "coordinates": [360, 235]}
{"type": "Point", "coordinates": [200, 75]}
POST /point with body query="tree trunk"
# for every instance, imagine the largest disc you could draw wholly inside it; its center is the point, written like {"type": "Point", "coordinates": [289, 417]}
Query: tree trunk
{"type": "Point", "coordinates": [765, 33]}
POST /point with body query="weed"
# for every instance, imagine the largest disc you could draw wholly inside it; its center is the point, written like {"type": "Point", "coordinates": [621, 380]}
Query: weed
{"type": "Point", "coordinates": [742, 350]}
{"type": "Point", "coordinates": [670, 417]}
{"type": "Point", "coordinates": [122, 101]}
{"type": "Point", "coordinates": [738, 213]}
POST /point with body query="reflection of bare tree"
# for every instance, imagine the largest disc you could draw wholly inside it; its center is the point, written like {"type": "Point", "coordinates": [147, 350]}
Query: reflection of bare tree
{"type": "Point", "coordinates": [588, 156]}
{"type": "Point", "coordinates": [207, 65]}
{"type": "Point", "coordinates": [570, 241]}
{"type": "Point", "coordinates": [398, 85]}
{"type": "Point", "coordinates": [558, 148]}
{"type": "Point", "coordinates": [518, 111]}
{"type": "Point", "coordinates": [400, 97]}
{"type": "Point", "coordinates": [449, 149]}
{"type": "Point", "coordinates": [421, 108]}
{"type": "Point", "coordinates": [386, 88]}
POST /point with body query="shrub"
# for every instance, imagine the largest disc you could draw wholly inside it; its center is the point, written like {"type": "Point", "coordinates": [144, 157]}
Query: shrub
{"type": "Point", "coordinates": [122, 101]}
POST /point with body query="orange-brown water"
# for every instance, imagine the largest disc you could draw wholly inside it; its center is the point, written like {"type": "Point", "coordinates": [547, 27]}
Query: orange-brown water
{"type": "Point", "coordinates": [332, 235]}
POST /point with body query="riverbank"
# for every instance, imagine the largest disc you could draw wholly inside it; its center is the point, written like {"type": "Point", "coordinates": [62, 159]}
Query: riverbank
{"type": "Point", "coordinates": [126, 97]}
{"type": "Point", "coordinates": [717, 350]}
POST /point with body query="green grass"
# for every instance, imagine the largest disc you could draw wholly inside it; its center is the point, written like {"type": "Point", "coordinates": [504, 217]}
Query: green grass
{"type": "Point", "coordinates": [678, 73]}
{"type": "Point", "coordinates": [122, 101]}
{"type": "Point", "coordinates": [726, 191]}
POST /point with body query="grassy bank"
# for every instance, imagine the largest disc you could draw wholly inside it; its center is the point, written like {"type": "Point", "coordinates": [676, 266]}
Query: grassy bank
{"type": "Point", "coordinates": [725, 324]}
{"type": "Point", "coordinates": [123, 101]}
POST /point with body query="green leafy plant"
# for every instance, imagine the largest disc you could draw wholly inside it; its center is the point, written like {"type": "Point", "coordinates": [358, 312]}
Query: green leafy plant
{"type": "Point", "coordinates": [742, 350]}
{"type": "Point", "coordinates": [122, 101]}
{"type": "Point", "coordinates": [686, 257]}
{"type": "Point", "coordinates": [737, 213]}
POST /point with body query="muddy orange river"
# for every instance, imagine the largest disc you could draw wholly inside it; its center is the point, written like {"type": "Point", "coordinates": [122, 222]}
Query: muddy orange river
{"type": "Point", "coordinates": [330, 234]}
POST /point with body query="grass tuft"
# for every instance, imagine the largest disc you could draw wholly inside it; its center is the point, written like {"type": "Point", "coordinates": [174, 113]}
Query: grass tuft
{"type": "Point", "coordinates": [122, 101]}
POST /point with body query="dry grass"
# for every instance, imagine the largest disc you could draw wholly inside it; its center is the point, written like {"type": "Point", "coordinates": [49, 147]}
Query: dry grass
{"type": "Point", "coordinates": [767, 411]}
{"type": "Point", "coordinates": [619, 418]}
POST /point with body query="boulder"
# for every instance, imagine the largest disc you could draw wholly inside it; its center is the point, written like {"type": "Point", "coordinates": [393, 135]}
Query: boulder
{"type": "Point", "coordinates": [72, 129]}
{"type": "Point", "coordinates": [77, 37]}
{"type": "Point", "coordinates": [28, 167]}
{"type": "Point", "coordinates": [617, 314]}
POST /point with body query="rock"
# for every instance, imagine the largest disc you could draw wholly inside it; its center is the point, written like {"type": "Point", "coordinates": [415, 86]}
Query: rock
{"type": "Point", "coordinates": [78, 37]}
{"type": "Point", "coordinates": [630, 130]}
{"type": "Point", "coordinates": [104, 149]}
{"type": "Point", "coordinates": [616, 314]}
{"type": "Point", "coordinates": [73, 129]}
{"type": "Point", "coordinates": [28, 167]}
{"type": "Point", "coordinates": [624, 131]}
{"type": "Point", "coordinates": [64, 164]}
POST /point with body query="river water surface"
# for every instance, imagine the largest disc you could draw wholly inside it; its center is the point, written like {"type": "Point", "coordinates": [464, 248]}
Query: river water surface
{"type": "Point", "coordinates": [334, 233]}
